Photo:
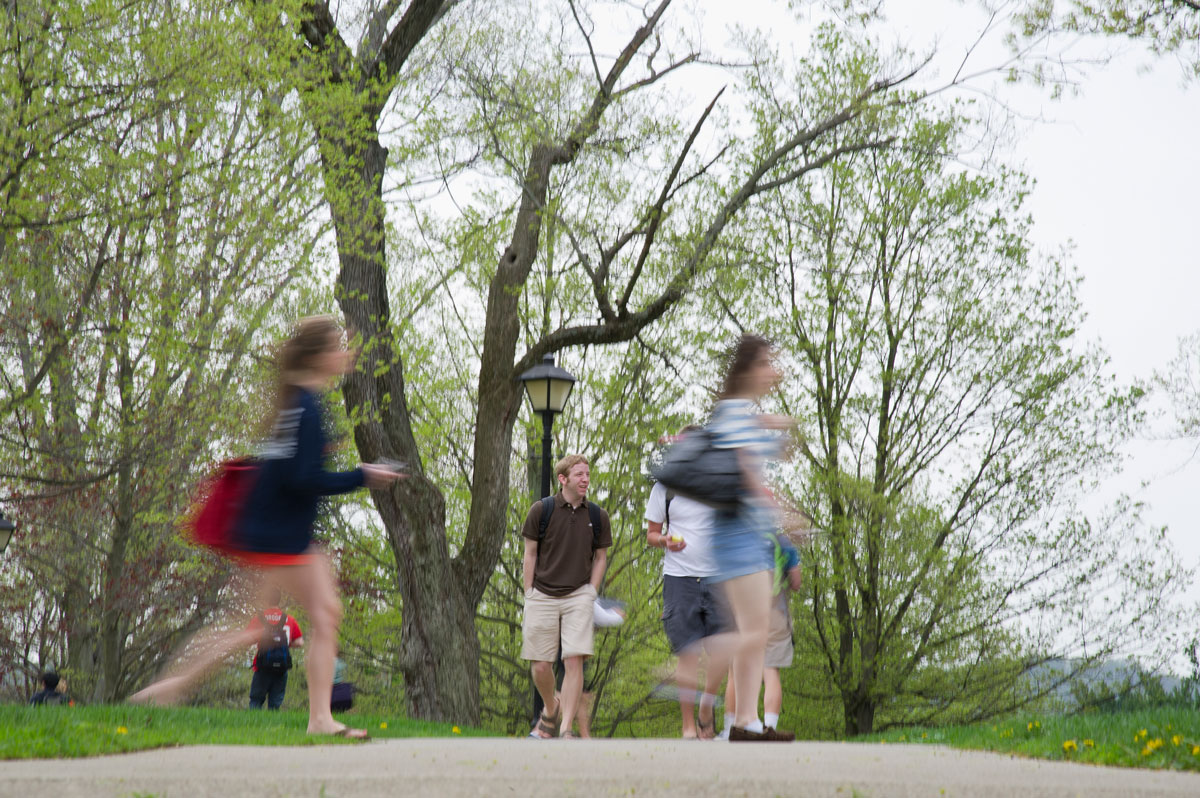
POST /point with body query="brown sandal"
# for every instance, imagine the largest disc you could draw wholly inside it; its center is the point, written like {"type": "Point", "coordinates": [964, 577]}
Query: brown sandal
{"type": "Point", "coordinates": [547, 725]}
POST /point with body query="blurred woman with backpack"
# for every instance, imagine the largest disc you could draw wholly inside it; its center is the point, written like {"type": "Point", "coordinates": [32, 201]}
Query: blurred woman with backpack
{"type": "Point", "coordinates": [742, 540]}
{"type": "Point", "coordinates": [273, 531]}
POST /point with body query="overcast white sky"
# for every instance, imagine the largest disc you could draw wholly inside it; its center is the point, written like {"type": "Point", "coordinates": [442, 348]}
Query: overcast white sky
{"type": "Point", "coordinates": [1118, 173]}
{"type": "Point", "coordinates": [1118, 176]}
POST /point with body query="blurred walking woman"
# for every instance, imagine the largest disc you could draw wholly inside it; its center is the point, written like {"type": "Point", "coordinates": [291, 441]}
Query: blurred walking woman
{"type": "Point", "coordinates": [274, 534]}
{"type": "Point", "coordinates": [742, 544]}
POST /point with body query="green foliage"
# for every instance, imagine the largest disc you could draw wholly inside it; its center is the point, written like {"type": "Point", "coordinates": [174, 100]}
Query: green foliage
{"type": "Point", "coordinates": [62, 731]}
{"type": "Point", "coordinates": [1180, 382]}
{"type": "Point", "coordinates": [135, 307]}
{"type": "Point", "coordinates": [1164, 26]}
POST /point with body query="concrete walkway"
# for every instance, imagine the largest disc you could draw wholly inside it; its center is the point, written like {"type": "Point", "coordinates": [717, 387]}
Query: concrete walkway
{"type": "Point", "coordinates": [433, 768]}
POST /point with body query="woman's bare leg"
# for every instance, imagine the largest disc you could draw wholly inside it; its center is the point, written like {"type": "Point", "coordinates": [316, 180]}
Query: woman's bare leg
{"type": "Point", "coordinates": [200, 655]}
{"type": "Point", "coordinates": [750, 599]}
{"type": "Point", "coordinates": [312, 584]}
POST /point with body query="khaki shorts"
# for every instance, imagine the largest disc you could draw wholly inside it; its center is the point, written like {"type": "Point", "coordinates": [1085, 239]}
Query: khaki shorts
{"type": "Point", "coordinates": [550, 622]}
{"type": "Point", "coordinates": [779, 637]}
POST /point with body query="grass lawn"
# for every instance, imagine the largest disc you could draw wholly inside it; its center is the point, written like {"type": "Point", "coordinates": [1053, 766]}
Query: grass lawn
{"type": "Point", "coordinates": [60, 731]}
{"type": "Point", "coordinates": [1158, 738]}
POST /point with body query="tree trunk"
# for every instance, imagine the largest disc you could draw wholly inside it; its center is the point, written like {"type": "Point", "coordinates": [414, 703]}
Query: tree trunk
{"type": "Point", "coordinates": [112, 634]}
{"type": "Point", "coordinates": [499, 389]}
{"type": "Point", "coordinates": [860, 715]}
{"type": "Point", "coordinates": [440, 651]}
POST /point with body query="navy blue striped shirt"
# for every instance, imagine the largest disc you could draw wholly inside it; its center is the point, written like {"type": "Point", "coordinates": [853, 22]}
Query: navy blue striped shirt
{"type": "Point", "coordinates": [282, 506]}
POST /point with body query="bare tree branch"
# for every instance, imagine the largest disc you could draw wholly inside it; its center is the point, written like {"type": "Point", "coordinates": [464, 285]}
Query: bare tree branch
{"type": "Point", "coordinates": [587, 38]}
{"type": "Point", "coordinates": [408, 33]}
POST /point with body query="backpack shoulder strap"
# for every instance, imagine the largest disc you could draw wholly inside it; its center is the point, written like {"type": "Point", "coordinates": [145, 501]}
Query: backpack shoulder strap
{"type": "Point", "coordinates": [594, 517]}
{"type": "Point", "coordinates": [547, 511]}
{"type": "Point", "coordinates": [667, 509]}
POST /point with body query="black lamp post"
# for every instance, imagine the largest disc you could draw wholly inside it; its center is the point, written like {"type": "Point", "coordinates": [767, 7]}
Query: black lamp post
{"type": "Point", "coordinates": [6, 532]}
{"type": "Point", "coordinates": [547, 387]}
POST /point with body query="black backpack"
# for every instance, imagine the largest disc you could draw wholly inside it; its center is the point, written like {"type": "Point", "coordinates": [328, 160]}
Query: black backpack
{"type": "Point", "coordinates": [274, 655]}
{"type": "Point", "coordinates": [548, 510]}
{"type": "Point", "coordinates": [695, 468]}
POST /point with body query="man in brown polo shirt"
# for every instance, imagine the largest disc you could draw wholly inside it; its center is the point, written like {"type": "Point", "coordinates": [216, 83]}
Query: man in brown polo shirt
{"type": "Point", "coordinates": [563, 573]}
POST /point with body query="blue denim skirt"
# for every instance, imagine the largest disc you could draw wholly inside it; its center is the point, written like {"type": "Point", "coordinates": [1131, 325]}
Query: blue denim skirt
{"type": "Point", "coordinates": [741, 543]}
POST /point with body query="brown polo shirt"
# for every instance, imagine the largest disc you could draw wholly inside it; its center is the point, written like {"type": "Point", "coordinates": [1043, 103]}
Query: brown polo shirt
{"type": "Point", "coordinates": [564, 562]}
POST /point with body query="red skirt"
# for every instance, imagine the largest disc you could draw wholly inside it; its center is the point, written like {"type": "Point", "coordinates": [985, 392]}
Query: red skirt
{"type": "Point", "coordinates": [270, 559]}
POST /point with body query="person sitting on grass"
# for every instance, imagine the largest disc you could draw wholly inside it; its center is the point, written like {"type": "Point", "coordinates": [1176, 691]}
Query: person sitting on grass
{"type": "Point", "coordinates": [342, 697]}
{"type": "Point", "coordinates": [54, 691]}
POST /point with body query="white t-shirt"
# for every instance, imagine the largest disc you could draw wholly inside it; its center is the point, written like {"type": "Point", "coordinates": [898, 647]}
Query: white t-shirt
{"type": "Point", "coordinates": [693, 521]}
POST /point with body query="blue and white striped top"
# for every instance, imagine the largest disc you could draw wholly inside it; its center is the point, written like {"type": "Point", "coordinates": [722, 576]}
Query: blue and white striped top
{"type": "Point", "coordinates": [735, 425]}
{"type": "Point", "coordinates": [743, 542]}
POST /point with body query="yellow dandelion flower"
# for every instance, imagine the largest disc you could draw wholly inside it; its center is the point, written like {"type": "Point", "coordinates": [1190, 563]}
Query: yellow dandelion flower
{"type": "Point", "coordinates": [1142, 733]}
{"type": "Point", "coordinates": [456, 730]}
{"type": "Point", "coordinates": [383, 725]}
{"type": "Point", "coordinates": [1196, 750]}
{"type": "Point", "coordinates": [1069, 746]}
{"type": "Point", "coordinates": [122, 730]}
{"type": "Point", "coordinates": [1089, 743]}
{"type": "Point", "coordinates": [1147, 751]}
{"type": "Point", "coordinates": [1177, 739]}
{"type": "Point", "coordinates": [1029, 727]}
{"type": "Point", "coordinates": [924, 736]}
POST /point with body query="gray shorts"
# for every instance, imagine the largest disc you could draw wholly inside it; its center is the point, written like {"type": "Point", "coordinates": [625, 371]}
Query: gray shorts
{"type": "Point", "coordinates": [780, 648]}
{"type": "Point", "coordinates": [692, 611]}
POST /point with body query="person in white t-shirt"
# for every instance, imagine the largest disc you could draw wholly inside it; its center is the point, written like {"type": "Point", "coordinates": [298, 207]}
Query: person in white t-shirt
{"type": "Point", "coordinates": [693, 609]}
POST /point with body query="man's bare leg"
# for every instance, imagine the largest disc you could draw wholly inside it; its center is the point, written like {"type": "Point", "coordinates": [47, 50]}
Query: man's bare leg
{"type": "Point", "coordinates": [685, 678]}
{"type": "Point", "coordinates": [772, 694]}
{"type": "Point", "coordinates": [713, 674]}
{"type": "Point", "coordinates": [543, 680]}
{"type": "Point", "coordinates": [583, 717]}
{"type": "Point", "coordinates": [572, 691]}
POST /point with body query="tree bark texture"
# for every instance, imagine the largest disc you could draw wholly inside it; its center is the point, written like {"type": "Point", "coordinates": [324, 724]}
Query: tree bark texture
{"type": "Point", "coordinates": [440, 650]}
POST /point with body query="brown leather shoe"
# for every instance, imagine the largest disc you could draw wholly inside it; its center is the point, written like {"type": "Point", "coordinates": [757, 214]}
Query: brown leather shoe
{"type": "Point", "coordinates": [737, 734]}
{"type": "Point", "coordinates": [773, 735]}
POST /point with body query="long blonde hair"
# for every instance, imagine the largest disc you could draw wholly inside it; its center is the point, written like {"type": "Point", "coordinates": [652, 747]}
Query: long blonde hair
{"type": "Point", "coordinates": [313, 337]}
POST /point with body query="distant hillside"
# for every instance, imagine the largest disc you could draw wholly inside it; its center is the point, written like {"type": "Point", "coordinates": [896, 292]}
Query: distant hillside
{"type": "Point", "coordinates": [1113, 673]}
